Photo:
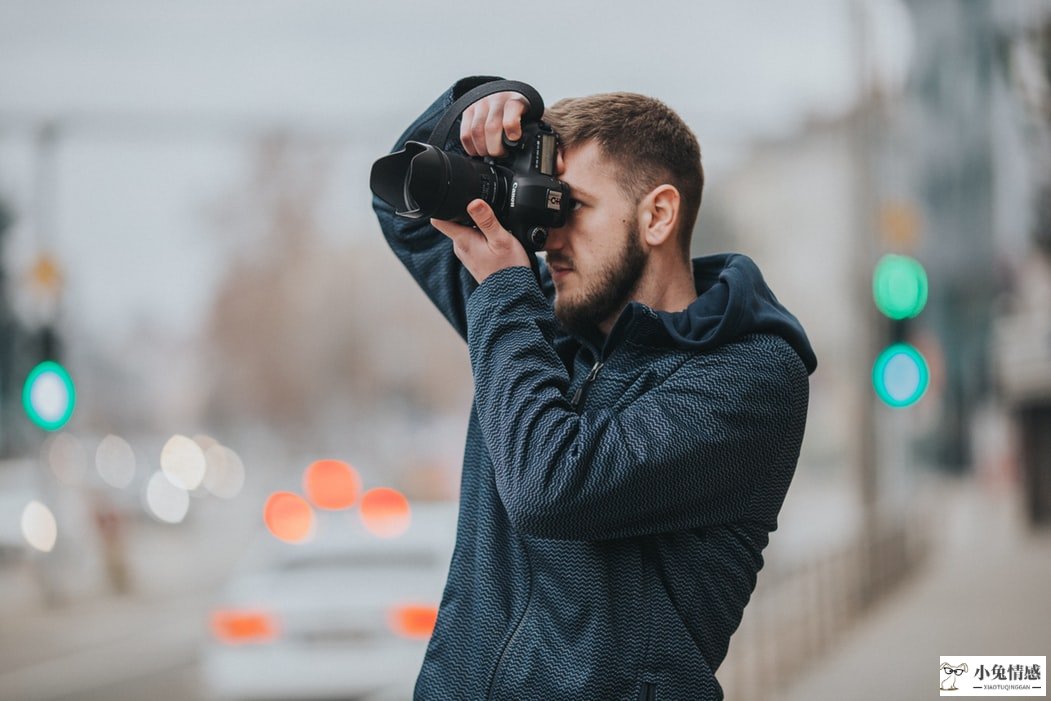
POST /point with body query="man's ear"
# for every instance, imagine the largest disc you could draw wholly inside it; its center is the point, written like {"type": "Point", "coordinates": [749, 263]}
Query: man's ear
{"type": "Point", "coordinates": [659, 215]}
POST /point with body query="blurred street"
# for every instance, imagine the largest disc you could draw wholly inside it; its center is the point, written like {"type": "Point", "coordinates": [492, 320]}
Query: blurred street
{"type": "Point", "coordinates": [980, 592]}
{"type": "Point", "coordinates": [984, 592]}
{"type": "Point", "coordinates": [88, 642]}
{"type": "Point", "coordinates": [113, 648]}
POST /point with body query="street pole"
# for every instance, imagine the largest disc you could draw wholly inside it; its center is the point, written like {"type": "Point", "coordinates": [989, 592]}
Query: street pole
{"type": "Point", "coordinates": [867, 454]}
{"type": "Point", "coordinates": [47, 290]}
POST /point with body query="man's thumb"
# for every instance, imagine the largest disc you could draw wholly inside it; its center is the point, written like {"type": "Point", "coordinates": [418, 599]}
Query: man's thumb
{"type": "Point", "coordinates": [483, 216]}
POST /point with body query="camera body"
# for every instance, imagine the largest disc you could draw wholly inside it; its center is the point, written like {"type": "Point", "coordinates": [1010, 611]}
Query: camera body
{"type": "Point", "coordinates": [527, 196]}
{"type": "Point", "coordinates": [424, 181]}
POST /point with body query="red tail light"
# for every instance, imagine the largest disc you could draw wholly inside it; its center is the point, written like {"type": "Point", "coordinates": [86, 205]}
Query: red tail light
{"type": "Point", "coordinates": [413, 620]}
{"type": "Point", "coordinates": [239, 627]}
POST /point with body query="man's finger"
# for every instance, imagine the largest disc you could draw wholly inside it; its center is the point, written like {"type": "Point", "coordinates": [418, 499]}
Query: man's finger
{"type": "Point", "coordinates": [513, 111]}
{"type": "Point", "coordinates": [462, 236]}
{"type": "Point", "coordinates": [493, 134]}
{"type": "Point", "coordinates": [465, 131]}
{"type": "Point", "coordinates": [485, 218]}
{"type": "Point", "coordinates": [478, 132]}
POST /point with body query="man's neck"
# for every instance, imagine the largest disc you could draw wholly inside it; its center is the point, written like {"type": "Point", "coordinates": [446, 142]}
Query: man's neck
{"type": "Point", "coordinates": [666, 289]}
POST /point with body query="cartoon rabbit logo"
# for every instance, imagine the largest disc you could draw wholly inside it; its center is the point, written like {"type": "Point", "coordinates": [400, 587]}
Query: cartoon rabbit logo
{"type": "Point", "coordinates": [950, 673]}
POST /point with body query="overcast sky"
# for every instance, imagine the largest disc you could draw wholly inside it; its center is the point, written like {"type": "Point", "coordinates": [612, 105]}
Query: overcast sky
{"type": "Point", "coordinates": [128, 204]}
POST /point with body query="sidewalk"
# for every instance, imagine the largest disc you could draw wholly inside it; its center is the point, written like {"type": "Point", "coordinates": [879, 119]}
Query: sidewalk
{"type": "Point", "coordinates": [985, 591]}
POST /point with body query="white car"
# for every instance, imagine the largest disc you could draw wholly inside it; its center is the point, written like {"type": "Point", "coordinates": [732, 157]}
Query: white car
{"type": "Point", "coordinates": [346, 615]}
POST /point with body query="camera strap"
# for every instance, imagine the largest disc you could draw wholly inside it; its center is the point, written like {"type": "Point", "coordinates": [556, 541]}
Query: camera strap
{"type": "Point", "coordinates": [440, 135]}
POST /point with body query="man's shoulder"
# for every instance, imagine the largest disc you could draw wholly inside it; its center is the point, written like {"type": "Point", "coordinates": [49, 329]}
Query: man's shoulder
{"type": "Point", "coordinates": [765, 354]}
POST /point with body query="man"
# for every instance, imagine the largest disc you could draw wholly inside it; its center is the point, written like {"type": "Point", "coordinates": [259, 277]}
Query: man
{"type": "Point", "coordinates": [636, 423]}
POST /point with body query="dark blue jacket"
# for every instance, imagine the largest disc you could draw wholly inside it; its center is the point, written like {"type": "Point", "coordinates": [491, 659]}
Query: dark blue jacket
{"type": "Point", "coordinates": [606, 547]}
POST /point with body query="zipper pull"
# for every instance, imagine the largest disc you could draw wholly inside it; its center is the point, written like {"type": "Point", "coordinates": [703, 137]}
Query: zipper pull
{"type": "Point", "coordinates": [587, 381]}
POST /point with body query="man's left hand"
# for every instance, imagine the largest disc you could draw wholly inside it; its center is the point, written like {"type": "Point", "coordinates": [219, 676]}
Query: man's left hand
{"type": "Point", "coordinates": [484, 250]}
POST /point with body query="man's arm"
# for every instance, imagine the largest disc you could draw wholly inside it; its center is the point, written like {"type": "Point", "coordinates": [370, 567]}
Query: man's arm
{"type": "Point", "coordinates": [691, 452]}
{"type": "Point", "coordinates": [426, 253]}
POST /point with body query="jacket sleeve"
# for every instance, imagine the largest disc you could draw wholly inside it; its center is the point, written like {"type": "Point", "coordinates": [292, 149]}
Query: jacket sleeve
{"type": "Point", "coordinates": [422, 249]}
{"type": "Point", "coordinates": [709, 445]}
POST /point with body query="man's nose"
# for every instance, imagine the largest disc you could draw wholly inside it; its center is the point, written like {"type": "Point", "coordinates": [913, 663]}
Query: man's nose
{"type": "Point", "coordinates": [556, 238]}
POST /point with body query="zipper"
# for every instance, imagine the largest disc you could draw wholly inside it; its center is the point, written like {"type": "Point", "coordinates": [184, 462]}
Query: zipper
{"type": "Point", "coordinates": [579, 395]}
{"type": "Point", "coordinates": [514, 634]}
{"type": "Point", "coordinates": [507, 646]}
{"type": "Point", "coordinates": [649, 692]}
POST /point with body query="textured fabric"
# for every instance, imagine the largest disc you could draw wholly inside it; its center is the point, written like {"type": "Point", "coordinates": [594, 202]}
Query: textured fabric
{"type": "Point", "coordinates": [609, 535]}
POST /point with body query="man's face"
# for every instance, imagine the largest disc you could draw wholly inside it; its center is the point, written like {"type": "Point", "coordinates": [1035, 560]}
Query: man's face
{"type": "Point", "coordinates": [596, 259]}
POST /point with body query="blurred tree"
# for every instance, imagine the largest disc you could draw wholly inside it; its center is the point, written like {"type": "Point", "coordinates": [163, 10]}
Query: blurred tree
{"type": "Point", "coordinates": [307, 334]}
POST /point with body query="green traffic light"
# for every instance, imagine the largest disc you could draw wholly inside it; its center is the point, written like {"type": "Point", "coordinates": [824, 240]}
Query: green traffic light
{"type": "Point", "coordinates": [49, 396]}
{"type": "Point", "coordinates": [899, 286]}
{"type": "Point", "coordinates": [900, 375]}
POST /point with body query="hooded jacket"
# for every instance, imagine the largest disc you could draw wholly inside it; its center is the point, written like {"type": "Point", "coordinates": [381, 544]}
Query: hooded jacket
{"type": "Point", "coordinates": [616, 493]}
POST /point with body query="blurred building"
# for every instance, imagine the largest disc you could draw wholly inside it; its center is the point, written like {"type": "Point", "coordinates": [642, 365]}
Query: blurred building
{"type": "Point", "coordinates": [955, 85]}
{"type": "Point", "coordinates": [947, 169]}
{"type": "Point", "coordinates": [1022, 339]}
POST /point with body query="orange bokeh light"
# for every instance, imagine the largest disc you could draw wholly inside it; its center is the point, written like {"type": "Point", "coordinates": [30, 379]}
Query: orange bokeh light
{"type": "Point", "coordinates": [237, 627]}
{"type": "Point", "coordinates": [385, 512]}
{"type": "Point", "coordinates": [331, 484]}
{"type": "Point", "coordinates": [413, 620]}
{"type": "Point", "coordinates": [289, 517]}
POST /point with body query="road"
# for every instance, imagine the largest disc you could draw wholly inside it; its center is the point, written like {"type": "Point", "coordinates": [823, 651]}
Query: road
{"type": "Point", "coordinates": [86, 641]}
{"type": "Point", "coordinates": [110, 648]}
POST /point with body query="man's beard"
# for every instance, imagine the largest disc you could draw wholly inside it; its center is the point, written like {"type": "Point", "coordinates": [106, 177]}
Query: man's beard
{"type": "Point", "coordinates": [607, 293]}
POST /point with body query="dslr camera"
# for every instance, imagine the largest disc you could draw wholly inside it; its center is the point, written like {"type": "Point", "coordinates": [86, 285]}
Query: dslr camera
{"type": "Point", "coordinates": [423, 180]}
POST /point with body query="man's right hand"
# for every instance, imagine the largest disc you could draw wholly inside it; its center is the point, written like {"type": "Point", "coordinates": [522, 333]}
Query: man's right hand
{"type": "Point", "coordinates": [485, 122]}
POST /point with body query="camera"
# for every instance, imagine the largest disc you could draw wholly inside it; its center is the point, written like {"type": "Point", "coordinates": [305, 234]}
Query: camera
{"type": "Point", "coordinates": [422, 180]}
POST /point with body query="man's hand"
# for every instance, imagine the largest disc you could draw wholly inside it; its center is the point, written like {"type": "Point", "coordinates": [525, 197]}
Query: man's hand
{"type": "Point", "coordinates": [484, 122]}
{"type": "Point", "coordinates": [485, 250]}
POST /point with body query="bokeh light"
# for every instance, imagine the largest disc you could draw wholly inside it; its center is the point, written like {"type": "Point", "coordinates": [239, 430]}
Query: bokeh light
{"type": "Point", "coordinates": [413, 620]}
{"type": "Point", "coordinates": [182, 461]}
{"type": "Point", "coordinates": [205, 441]}
{"type": "Point", "coordinates": [115, 461]}
{"type": "Point", "coordinates": [899, 286]}
{"type": "Point", "coordinates": [165, 500]}
{"type": "Point", "coordinates": [289, 517]}
{"type": "Point", "coordinates": [49, 396]}
{"type": "Point", "coordinates": [385, 512]}
{"type": "Point", "coordinates": [66, 456]}
{"type": "Point", "coordinates": [332, 484]}
{"type": "Point", "coordinates": [39, 526]}
{"type": "Point", "coordinates": [225, 475]}
{"type": "Point", "coordinates": [900, 375]}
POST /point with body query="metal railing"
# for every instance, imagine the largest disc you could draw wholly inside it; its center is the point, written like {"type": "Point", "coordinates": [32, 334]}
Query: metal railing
{"type": "Point", "coordinates": [796, 613]}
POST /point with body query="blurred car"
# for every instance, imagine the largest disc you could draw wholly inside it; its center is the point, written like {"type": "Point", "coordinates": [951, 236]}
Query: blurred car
{"type": "Point", "coordinates": [345, 615]}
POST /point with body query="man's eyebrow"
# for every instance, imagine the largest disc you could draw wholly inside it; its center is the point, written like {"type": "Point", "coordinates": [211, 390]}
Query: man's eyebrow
{"type": "Point", "coordinates": [578, 193]}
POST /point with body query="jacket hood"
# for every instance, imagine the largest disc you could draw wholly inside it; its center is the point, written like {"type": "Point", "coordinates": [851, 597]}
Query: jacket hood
{"type": "Point", "coordinates": [733, 300]}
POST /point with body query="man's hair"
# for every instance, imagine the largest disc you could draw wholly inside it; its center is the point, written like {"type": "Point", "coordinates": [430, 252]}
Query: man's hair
{"type": "Point", "coordinates": [646, 141]}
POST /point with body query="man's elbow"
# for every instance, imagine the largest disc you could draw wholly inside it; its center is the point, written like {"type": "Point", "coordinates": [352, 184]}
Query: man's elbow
{"type": "Point", "coordinates": [543, 516]}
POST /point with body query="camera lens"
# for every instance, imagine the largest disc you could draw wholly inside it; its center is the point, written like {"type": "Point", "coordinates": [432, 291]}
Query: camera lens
{"type": "Point", "coordinates": [424, 181]}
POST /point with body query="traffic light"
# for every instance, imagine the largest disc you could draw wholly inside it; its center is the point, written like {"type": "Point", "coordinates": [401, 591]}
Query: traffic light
{"type": "Point", "coordinates": [900, 374]}
{"type": "Point", "coordinates": [49, 396]}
